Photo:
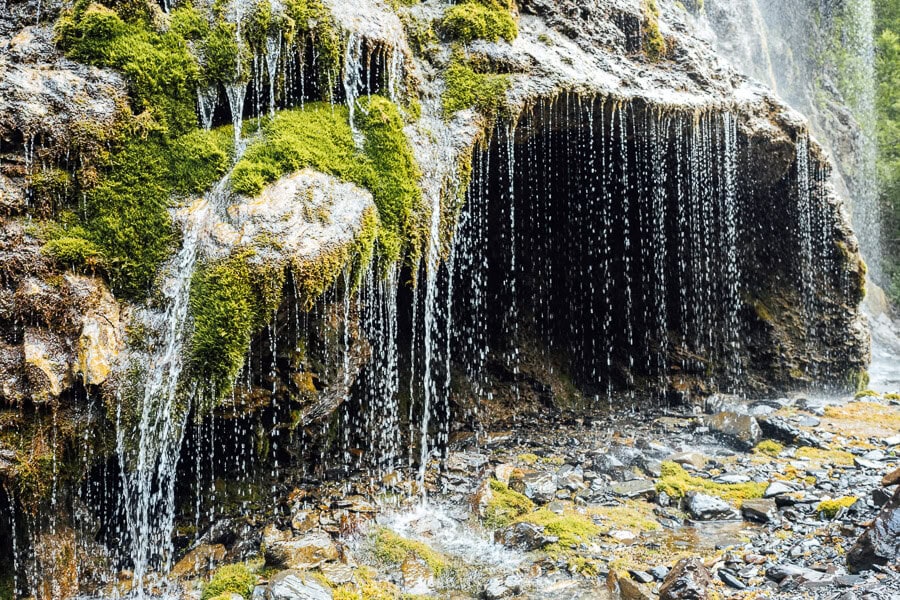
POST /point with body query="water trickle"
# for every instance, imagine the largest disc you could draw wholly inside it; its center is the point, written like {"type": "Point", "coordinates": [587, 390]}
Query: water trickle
{"type": "Point", "coordinates": [273, 53]}
{"type": "Point", "coordinates": [207, 99]}
{"type": "Point", "coordinates": [353, 73]}
{"type": "Point", "coordinates": [236, 93]}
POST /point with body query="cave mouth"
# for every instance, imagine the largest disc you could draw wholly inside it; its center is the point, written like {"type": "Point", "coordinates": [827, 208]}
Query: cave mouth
{"type": "Point", "coordinates": [632, 244]}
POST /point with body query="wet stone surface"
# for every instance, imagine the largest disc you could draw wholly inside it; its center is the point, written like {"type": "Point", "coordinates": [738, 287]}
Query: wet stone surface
{"type": "Point", "coordinates": [619, 508]}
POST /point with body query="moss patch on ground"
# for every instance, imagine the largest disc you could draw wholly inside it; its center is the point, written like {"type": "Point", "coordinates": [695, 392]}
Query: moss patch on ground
{"type": "Point", "coordinates": [676, 482]}
{"type": "Point", "coordinates": [228, 579]}
{"type": "Point", "coordinates": [830, 508]}
{"type": "Point", "coordinates": [466, 87]}
{"type": "Point", "coordinates": [769, 448]}
{"type": "Point", "coordinates": [505, 505]}
{"type": "Point", "coordinates": [490, 20]}
{"type": "Point", "coordinates": [634, 516]}
{"type": "Point", "coordinates": [820, 457]}
{"type": "Point", "coordinates": [571, 527]}
{"type": "Point", "coordinates": [393, 549]}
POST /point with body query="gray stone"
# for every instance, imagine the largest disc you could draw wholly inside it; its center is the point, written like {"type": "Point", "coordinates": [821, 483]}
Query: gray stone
{"type": "Point", "coordinates": [741, 430]}
{"type": "Point", "coordinates": [524, 536]}
{"type": "Point", "coordinates": [296, 585]}
{"type": "Point", "coordinates": [704, 507]}
{"type": "Point", "coordinates": [694, 459]}
{"type": "Point", "coordinates": [540, 487]}
{"type": "Point", "coordinates": [732, 478]}
{"type": "Point", "coordinates": [305, 552]}
{"type": "Point", "coordinates": [777, 488]}
{"type": "Point", "coordinates": [636, 488]}
{"type": "Point", "coordinates": [762, 510]}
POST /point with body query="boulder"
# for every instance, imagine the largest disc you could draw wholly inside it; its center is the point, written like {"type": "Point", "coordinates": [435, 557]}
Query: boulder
{"type": "Point", "coordinates": [880, 543]}
{"type": "Point", "coordinates": [636, 488]}
{"type": "Point", "coordinates": [741, 430]}
{"type": "Point", "coordinates": [296, 585]}
{"type": "Point", "coordinates": [704, 507]}
{"type": "Point", "coordinates": [524, 536]}
{"type": "Point", "coordinates": [892, 478]}
{"type": "Point", "coordinates": [762, 510]}
{"type": "Point", "coordinates": [305, 552]}
{"type": "Point", "coordinates": [198, 561]}
{"type": "Point", "coordinates": [688, 580]}
{"type": "Point", "coordinates": [540, 487]}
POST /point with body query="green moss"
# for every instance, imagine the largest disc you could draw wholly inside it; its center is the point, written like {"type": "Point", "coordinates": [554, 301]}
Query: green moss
{"type": "Point", "coordinates": [479, 20]}
{"type": "Point", "coordinates": [161, 72]}
{"type": "Point", "coordinates": [867, 394]}
{"type": "Point", "coordinates": [505, 505]}
{"type": "Point", "coordinates": [654, 43]}
{"type": "Point", "coordinates": [633, 515]}
{"type": "Point", "coordinates": [235, 578]}
{"type": "Point", "coordinates": [769, 448]}
{"type": "Point", "coordinates": [571, 527]}
{"type": "Point", "coordinates": [393, 549]}
{"type": "Point", "coordinates": [230, 300]}
{"type": "Point", "coordinates": [319, 136]}
{"type": "Point", "coordinates": [466, 88]}
{"type": "Point", "coordinates": [830, 508]}
{"type": "Point", "coordinates": [676, 482]}
{"type": "Point", "coordinates": [395, 187]}
{"type": "Point", "coordinates": [822, 457]}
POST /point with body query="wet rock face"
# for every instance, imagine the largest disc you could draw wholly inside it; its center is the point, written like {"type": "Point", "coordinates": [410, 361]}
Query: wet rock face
{"type": "Point", "coordinates": [295, 585]}
{"type": "Point", "coordinates": [73, 327]}
{"type": "Point", "coordinates": [880, 543]}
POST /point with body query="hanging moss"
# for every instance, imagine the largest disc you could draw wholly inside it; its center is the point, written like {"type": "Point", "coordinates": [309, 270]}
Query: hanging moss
{"type": "Point", "coordinates": [466, 88]}
{"type": "Point", "coordinates": [654, 43]}
{"type": "Point", "coordinates": [471, 20]}
{"type": "Point", "coordinates": [230, 300]}
{"type": "Point", "coordinates": [313, 19]}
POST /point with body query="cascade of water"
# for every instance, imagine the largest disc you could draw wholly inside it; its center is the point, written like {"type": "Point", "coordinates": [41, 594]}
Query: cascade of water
{"type": "Point", "coordinates": [729, 218]}
{"type": "Point", "coordinates": [353, 73]}
{"type": "Point", "coordinates": [148, 451]}
{"type": "Point", "coordinates": [273, 53]}
{"type": "Point", "coordinates": [805, 227]}
{"type": "Point", "coordinates": [236, 93]}
{"type": "Point", "coordinates": [207, 99]}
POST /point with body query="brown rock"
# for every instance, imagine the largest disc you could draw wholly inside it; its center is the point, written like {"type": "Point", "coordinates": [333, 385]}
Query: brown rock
{"type": "Point", "coordinates": [892, 478]}
{"type": "Point", "coordinates": [880, 543]}
{"type": "Point", "coordinates": [688, 580]}
{"type": "Point", "coordinates": [306, 552]}
{"type": "Point", "coordinates": [199, 560]}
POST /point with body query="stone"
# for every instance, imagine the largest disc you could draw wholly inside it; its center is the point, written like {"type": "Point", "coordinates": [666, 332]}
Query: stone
{"type": "Point", "coordinates": [704, 507]}
{"type": "Point", "coordinates": [741, 430]}
{"type": "Point", "coordinates": [622, 536]}
{"type": "Point", "coordinates": [864, 463]}
{"type": "Point", "coordinates": [761, 510]}
{"type": "Point", "coordinates": [731, 579]}
{"type": "Point", "coordinates": [808, 421]}
{"type": "Point", "coordinates": [503, 472]}
{"type": "Point", "coordinates": [780, 572]}
{"type": "Point", "coordinates": [337, 573]}
{"type": "Point", "coordinates": [570, 477]}
{"type": "Point", "coordinates": [636, 488]}
{"type": "Point", "coordinates": [630, 589]}
{"type": "Point", "coordinates": [694, 459]}
{"type": "Point", "coordinates": [496, 589]}
{"type": "Point", "coordinates": [540, 487]}
{"type": "Point", "coordinates": [465, 462]}
{"type": "Point", "coordinates": [892, 478]}
{"type": "Point", "coordinates": [894, 440]}
{"type": "Point", "coordinates": [777, 488]}
{"type": "Point", "coordinates": [778, 428]}
{"type": "Point", "coordinates": [688, 580]}
{"type": "Point", "coordinates": [418, 577]}
{"type": "Point", "coordinates": [306, 552]}
{"type": "Point", "coordinates": [296, 585]}
{"type": "Point", "coordinates": [641, 576]}
{"type": "Point", "coordinates": [524, 536]}
{"type": "Point", "coordinates": [198, 561]}
{"type": "Point", "coordinates": [304, 520]}
{"type": "Point", "coordinates": [880, 543]}
{"type": "Point", "coordinates": [659, 572]}
{"type": "Point", "coordinates": [731, 478]}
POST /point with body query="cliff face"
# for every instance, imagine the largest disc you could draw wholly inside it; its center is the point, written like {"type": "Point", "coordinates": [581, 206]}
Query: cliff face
{"type": "Point", "coordinates": [268, 228]}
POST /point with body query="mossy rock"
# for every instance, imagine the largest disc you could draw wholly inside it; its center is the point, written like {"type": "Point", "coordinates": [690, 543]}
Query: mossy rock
{"type": "Point", "coordinates": [472, 20]}
{"type": "Point", "coordinates": [229, 579]}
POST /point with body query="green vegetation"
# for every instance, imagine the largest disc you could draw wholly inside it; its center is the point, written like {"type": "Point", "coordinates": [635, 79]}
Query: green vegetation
{"type": "Point", "coordinates": [769, 448]}
{"type": "Point", "coordinates": [830, 508]}
{"type": "Point", "coordinates": [887, 32]}
{"type": "Point", "coordinates": [654, 43]}
{"type": "Point", "coordinates": [230, 300]}
{"type": "Point", "coordinates": [571, 527]}
{"type": "Point", "coordinates": [319, 136]}
{"type": "Point", "coordinates": [394, 549]}
{"type": "Point", "coordinates": [820, 457]}
{"type": "Point", "coordinates": [676, 482]}
{"type": "Point", "coordinates": [471, 20]}
{"type": "Point", "coordinates": [235, 578]}
{"type": "Point", "coordinates": [468, 88]}
{"type": "Point", "coordinates": [505, 505]}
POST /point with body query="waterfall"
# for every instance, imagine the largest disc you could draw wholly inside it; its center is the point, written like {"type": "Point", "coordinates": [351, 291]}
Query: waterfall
{"type": "Point", "coordinates": [236, 93]}
{"type": "Point", "coordinates": [207, 99]}
{"type": "Point", "coordinates": [353, 74]}
{"type": "Point", "coordinates": [149, 451]}
{"type": "Point", "coordinates": [273, 53]}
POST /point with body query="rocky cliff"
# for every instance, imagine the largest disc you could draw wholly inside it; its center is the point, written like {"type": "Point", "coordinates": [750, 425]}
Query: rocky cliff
{"type": "Point", "coordinates": [307, 229]}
